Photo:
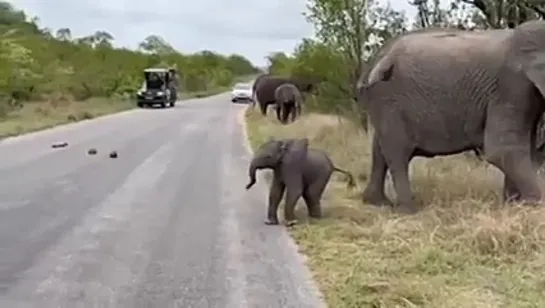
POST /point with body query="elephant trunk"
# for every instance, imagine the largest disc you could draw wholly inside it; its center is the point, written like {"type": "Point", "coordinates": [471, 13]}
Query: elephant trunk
{"type": "Point", "coordinates": [252, 170]}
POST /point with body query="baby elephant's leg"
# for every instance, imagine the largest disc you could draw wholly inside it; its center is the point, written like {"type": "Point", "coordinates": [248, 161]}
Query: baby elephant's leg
{"type": "Point", "coordinates": [275, 196]}
{"type": "Point", "coordinates": [294, 190]}
{"type": "Point", "coordinates": [313, 193]}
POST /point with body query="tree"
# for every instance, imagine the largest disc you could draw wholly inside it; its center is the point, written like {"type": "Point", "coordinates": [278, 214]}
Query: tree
{"type": "Point", "coordinates": [156, 45]}
{"type": "Point", "coordinates": [64, 34]}
{"type": "Point", "coordinates": [279, 63]}
{"type": "Point", "coordinates": [347, 34]}
{"type": "Point", "coordinates": [506, 13]}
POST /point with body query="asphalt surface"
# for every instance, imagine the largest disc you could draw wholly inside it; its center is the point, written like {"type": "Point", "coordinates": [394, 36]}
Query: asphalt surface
{"type": "Point", "coordinates": [166, 224]}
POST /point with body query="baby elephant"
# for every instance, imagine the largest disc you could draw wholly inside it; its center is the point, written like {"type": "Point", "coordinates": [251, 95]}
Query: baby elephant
{"type": "Point", "coordinates": [298, 170]}
{"type": "Point", "coordinates": [288, 100]}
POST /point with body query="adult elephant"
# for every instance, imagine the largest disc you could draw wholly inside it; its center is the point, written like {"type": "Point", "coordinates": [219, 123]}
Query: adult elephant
{"type": "Point", "coordinates": [441, 92]}
{"type": "Point", "coordinates": [289, 101]}
{"type": "Point", "coordinates": [254, 87]}
{"type": "Point", "coordinates": [267, 85]}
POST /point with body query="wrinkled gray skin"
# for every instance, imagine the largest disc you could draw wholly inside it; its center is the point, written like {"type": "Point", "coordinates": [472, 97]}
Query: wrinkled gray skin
{"type": "Point", "coordinates": [540, 143]}
{"type": "Point", "coordinates": [288, 101]}
{"type": "Point", "coordinates": [267, 85]}
{"type": "Point", "coordinates": [299, 171]}
{"type": "Point", "coordinates": [442, 92]}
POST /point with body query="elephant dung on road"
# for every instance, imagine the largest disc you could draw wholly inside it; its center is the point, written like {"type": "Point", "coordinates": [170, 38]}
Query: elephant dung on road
{"type": "Point", "coordinates": [266, 86]}
{"type": "Point", "coordinates": [289, 100]}
{"type": "Point", "coordinates": [441, 92]}
{"type": "Point", "coordinates": [298, 170]}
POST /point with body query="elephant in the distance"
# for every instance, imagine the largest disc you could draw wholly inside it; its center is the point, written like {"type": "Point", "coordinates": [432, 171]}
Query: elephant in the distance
{"type": "Point", "coordinates": [299, 171]}
{"type": "Point", "coordinates": [440, 92]}
{"type": "Point", "coordinates": [254, 87]}
{"type": "Point", "coordinates": [289, 101]}
{"type": "Point", "coordinates": [267, 85]}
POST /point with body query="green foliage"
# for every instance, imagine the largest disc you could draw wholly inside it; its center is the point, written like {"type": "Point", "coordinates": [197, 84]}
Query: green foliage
{"type": "Point", "coordinates": [314, 59]}
{"type": "Point", "coordinates": [40, 66]}
{"type": "Point", "coordinates": [347, 33]}
{"type": "Point", "coordinates": [280, 63]}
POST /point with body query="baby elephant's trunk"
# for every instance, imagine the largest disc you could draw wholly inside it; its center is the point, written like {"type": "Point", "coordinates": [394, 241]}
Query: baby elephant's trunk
{"type": "Point", "coordinates": [350, 177]}
{"type": "Point", "coordinates": [252, 175]}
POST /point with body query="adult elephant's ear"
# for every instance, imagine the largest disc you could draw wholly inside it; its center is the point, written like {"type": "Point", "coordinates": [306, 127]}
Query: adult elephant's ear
{"type": "Point", "coordinates": [535, 70]}
{"type": "Point", "coordinates": [529, 42]}
{"type": "Point", "coordinates": [295, 152]}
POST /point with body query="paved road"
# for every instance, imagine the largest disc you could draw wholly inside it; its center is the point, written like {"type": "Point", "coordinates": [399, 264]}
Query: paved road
{"type": "Point", "coordinates": [167, 224]}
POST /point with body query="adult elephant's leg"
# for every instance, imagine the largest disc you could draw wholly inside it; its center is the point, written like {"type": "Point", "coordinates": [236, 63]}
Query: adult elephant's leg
{"type": "Point", "coordinates": [397, 158]}
{"type": "Point", "coordinates": [539, 153]}
{"type": "Point", "coordinates": [263, 108]}
{"type": "Point", "coordinates": [539, 159]}
{"type": "Point", "coordinates": [509, 140]}
{"type": "Point", "coordinates": [520, 177]}
{"type": "Point", "coordinates": [374, 192]}
{"type": "Point", "coordinates": [537, 146]}
{"type": "Point", "coordinates": [510, 191]}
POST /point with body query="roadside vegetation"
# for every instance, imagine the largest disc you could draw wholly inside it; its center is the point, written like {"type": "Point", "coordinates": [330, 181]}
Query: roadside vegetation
{"type": "Point", "coordinates": [49, 77]}
{"type": "Point", "coordinates": [464, 249]}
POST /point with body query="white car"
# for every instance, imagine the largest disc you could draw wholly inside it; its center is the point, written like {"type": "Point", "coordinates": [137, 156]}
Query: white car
{"type": "Point", "coordinates": [241, 92]}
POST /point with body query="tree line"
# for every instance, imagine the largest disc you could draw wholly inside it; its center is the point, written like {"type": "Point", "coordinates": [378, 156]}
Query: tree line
{"type": "Point", "coordinates": [40, 64]}
{"type": "Point", "coordinates": [349, 32]}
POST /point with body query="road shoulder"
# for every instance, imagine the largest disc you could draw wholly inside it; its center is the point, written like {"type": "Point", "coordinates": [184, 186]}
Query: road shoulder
{"type": "Point", "coordinates": [307, 287]}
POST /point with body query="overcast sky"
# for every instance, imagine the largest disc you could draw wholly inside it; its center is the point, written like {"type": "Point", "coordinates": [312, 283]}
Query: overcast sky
{"type": "Point", "coordinates": [253, 28]}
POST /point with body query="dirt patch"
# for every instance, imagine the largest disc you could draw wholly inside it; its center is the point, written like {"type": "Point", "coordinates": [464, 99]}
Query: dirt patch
{"type": "Point", "coordinates": [463, 249]}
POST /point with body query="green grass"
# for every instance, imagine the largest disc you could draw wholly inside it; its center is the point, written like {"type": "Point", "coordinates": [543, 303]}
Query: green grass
{"type": "Point", "coordinates": [462, 250]}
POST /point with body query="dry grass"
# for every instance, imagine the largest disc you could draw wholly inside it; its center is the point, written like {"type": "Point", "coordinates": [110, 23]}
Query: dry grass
{"type": "Point", "coordinates": [462, 250]}
{"type": "Point", "coordinates": [41, 115]}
